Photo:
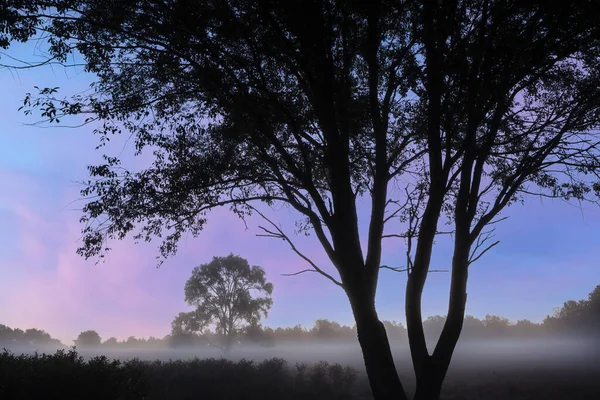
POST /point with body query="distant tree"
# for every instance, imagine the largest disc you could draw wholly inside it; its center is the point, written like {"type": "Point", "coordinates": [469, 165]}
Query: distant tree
{"type": "Point", "coordinates": [294, 334]}
{"type": "Point", "coordinates": [254, 333]}
{"type": "Point", "coordinates": [594, 310]}
{"type": "Point", "coordinates": [433, 326]}
{"type": "Point", "coordinates": [496, 325]}
{"type": "Point", "coordinates": [88, 339]}
{"type": "Point", "coordinates": [185, 328]}
{"type": "Point", "coordinates": [580, 317]}
{"type": "Point", "coordinates": [110, 342]}
{"type": "Point", "coordinates": [6, 334]}
{"type": "Point", "coordinates": [594, 298]}
{"type": "Point", "coordinates": [572, 311]}
{"type": "Point", "coordinates": [37, 337]}
{"type": "Point", "coordinates": [325, 329]}
{"type": "Point", "coordinates": [132, 341]}
{"type": "Point", "coordinates": [269, 332]}
{"type": "Point", "coordinates": [32, 337]}
{"type": "Point", "coordinates": [181, 339]}
{"type": "Point", "coordinates": [18, 335]}
{"type": "Point", "coordinates": [473, 327]}
{"type": "Point", "coordinates": [225, 293]}
{"type": "Point", "coordinates": [395, 330]}
{"type": "Point", "coordinates": [347, 333]}
{"type": "Point", "coordinates": [524, 328]}
{"type": "Point", "coordinates": [155, 342]}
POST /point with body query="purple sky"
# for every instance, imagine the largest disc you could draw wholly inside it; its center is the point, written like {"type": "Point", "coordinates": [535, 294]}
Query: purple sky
{"type": "Point", "coordinates": [548, 254]}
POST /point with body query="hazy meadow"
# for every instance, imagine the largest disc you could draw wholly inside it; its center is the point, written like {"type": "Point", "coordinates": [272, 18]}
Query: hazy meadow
{"type": "Point", "coordinates": [481, 369]}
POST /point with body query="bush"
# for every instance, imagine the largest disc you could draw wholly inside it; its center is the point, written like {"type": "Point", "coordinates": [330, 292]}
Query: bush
{"type": "Point", "coordinates": [66, 375]}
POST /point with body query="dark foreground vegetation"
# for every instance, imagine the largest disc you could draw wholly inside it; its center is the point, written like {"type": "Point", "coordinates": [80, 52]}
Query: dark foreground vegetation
{"type": "Point", "coordinates": [68, 375]}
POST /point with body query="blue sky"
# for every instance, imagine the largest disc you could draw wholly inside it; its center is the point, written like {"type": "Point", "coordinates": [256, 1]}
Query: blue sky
{"type": "Point", "coordinates": [548, 254]}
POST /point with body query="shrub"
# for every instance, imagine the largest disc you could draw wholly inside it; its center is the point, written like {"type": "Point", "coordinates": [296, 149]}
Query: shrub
{"type": "Point", "coordinates": [66, 375]}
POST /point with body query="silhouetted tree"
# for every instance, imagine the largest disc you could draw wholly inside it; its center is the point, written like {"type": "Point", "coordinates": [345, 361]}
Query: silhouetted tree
{"type": "Point", "coordinates": [225, 292]}
{"type": "Point", "coordinates": [473, 327]}
{"type": "Point", "coordinates": [88, 339]}
{"type": "Point", "coordinates": [10, 336]}
{"type": "Point", "coordinates": [293, 334]}
{"type": "Point", "coordinates": [594, 310]}
{"type": "Point", "coordinates": [524, 328]}
{"type": "Point", "coordinates": [580, 317]}
{"type": "Point", "coordinates": [38, 337]}
{"type": "Point", "coordinates": [31, 337]}
{"type": "Point", "coordinates": [325, 329]}
{"type": "Point", "coordinates": [347, 333]}
{"type": "Point", "coordinates": [154, 342]}
{"type": "Point", "coordinates": [110, 342]}
{"type": "Point", "coordinates": [395, 330]}
{"type": "Point", "coordinates": [6, 334]}
{"type": "Point", "coordinates": [495, 325]}
{"type": "Point", "coordinates": [433, 326]}
{"type": "Point", "coordinates": [254, 333]}
{"type": "Point", "coordinates": [18, 335]}
{"type": "Point", "coordinates": [132, 341]}
{"type": "Point", "coordinates": [476, 103]}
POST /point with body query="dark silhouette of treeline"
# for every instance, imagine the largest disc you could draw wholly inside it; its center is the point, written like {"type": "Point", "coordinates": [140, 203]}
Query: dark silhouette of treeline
{"type": "Point", "coordinates": [30, 337]}
{"type": "Point", "coordinates": [574, 319]}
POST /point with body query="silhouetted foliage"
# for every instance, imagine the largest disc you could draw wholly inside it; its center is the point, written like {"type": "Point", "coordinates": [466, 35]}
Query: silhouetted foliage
{"type": "Point", "coordinates": [65, 375]}
{"type": "Point", "coordinates": [254, 333]}
{"type": "Point", "coordinates": [472, 327]}
{"type": "Point", "coordinates": [395, 330]}
{"type": "Point", "coordinates": [475, 103]}
{"type": "Point", "coordinates": [224, 293]}
{"type": "Point", "coordinates": [88, 339]}
{"type": "Point", "coordinates": [35, 338]}
{"type": "Point", "coordinates": [110, 342]}
{"type": "Point", "coordinates": [577, 317]}
{"type": "Point", "coordinates": [14, 25]}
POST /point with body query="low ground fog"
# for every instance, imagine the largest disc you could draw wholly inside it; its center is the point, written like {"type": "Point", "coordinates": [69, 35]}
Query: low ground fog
{"type": "Point", "coordinates": [484, 359]}
{"type": "Point", "coordinates": [483, 370]}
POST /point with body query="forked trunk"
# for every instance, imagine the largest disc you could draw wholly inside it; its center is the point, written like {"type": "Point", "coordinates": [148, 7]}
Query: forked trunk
{"type": "Point", "coordinates": [431, 370]}
{"type": "Point", "coordinates": [434, 368]}
{"type": "Point", "coordinates": [379, 363]}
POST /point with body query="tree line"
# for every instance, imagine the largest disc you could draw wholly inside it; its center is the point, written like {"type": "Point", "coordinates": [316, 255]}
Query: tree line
{"type": "Point", "coordinates": [573, 319]}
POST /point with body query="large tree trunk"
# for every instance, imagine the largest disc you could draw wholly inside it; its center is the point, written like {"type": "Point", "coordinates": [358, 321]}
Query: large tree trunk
{"type": "Point", "coordinates": [377, 354]}
{"type": "Point", "coordinates": [430, 380]}
{"type": "Point", "coordinates": [433, 369]}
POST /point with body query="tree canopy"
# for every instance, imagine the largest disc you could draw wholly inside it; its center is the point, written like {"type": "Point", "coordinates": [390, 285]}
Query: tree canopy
{"type": "Point", "coordinates": [471, 104]}
{"type": "Point", "coordinates": [29, 337]}
{"type": "Point", "coordinates": [226, 293]}
{"type": "Point", "coordinates": [577, 317]}
{"type": "Point", "coordinates": [88, 338]}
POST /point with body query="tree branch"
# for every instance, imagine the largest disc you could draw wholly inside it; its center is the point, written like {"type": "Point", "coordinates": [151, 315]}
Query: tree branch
{"type": "Point", "coordinates": [278, 233]}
